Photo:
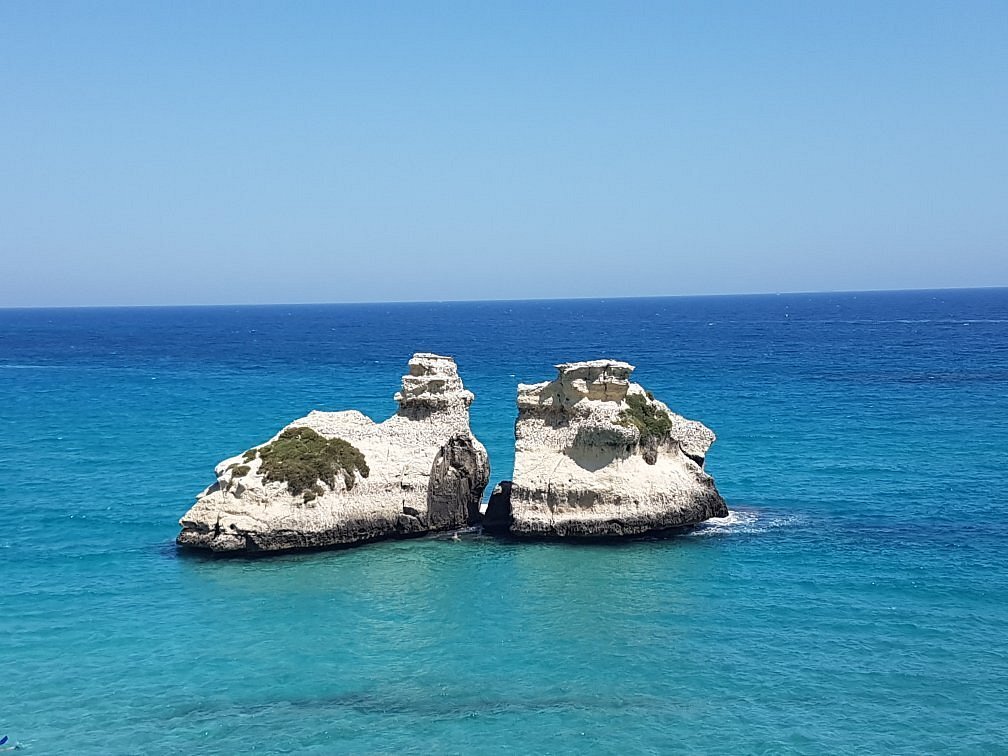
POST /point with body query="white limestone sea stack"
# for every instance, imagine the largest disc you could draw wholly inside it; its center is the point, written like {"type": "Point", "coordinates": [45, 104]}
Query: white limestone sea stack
{"type": "Point", "coordinates": [339, 478]}
{"type": "Point", "coordinates": [597, 455]}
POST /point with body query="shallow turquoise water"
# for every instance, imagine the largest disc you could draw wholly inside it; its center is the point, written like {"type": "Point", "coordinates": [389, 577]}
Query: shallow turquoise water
{"type": "Point", "coordinates": [856, 601]}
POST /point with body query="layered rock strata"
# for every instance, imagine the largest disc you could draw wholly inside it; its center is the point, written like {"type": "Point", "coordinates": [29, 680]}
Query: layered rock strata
{"type": "Point", "coordinates": [597, 455]}
{"type": "Point", "coordinates": [339, 478]}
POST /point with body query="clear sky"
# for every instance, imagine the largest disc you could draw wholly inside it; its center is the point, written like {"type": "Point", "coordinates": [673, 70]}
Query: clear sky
{"type": "Point", "coordinates": [175, 153]}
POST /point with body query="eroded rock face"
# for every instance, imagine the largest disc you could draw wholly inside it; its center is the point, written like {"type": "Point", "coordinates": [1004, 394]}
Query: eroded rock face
{"type": "Point", "coordinates": [597, 455]}
{"type": "Point", "coordinates": [425, 471]}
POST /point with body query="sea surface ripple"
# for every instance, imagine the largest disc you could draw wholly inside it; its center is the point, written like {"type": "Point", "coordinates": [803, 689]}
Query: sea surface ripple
{"type": "Point", "coordinates": [855, 600]}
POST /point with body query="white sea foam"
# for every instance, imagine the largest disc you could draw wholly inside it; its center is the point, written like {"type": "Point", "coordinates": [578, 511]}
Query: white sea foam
{"type": "Point", "coordinates": [15, 366]}
{"type": "Point", "coordinates": [745, 521]}
{"type": "Point", "coordinates": [735, 521]}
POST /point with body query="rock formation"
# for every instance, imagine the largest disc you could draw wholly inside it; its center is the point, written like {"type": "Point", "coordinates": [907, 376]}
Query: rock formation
{"type": "Point", "coordinates": [597, 455]}
{"type": "Point", "coordinates": [336, 478]}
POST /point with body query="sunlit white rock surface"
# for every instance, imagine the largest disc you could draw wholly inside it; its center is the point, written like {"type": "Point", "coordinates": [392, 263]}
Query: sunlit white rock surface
{"type": "Point", "coordinates": [583, 469]}
{"type": "Point", "coordinates": [427, 472]}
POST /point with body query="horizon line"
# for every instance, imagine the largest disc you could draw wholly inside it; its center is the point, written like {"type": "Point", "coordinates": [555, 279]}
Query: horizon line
{"type": "Point", "coordinates": [500, 300]}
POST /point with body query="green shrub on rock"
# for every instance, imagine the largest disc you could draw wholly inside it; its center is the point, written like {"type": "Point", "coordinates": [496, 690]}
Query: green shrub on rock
{"type": "Point", "coordinates": [300, 457]}
{"type": "Point", "coordinates": [653, 422]}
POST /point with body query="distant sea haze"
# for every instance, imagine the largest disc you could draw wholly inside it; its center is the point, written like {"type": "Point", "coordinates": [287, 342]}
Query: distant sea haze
{"type": "Point", "coordinates": [854, 601]}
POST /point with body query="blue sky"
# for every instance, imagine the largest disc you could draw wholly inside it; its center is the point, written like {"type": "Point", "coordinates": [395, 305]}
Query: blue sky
{"type": "Point", "coordinates": [179, 153]}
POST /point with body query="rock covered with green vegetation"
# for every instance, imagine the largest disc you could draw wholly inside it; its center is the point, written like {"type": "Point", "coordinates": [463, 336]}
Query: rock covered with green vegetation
{"type": "Point", "coordinates": [308, 462]}
{"type": "Point", "coordinates": [339, 478]}
{"type": "Point", "coordinates": [597, 455]}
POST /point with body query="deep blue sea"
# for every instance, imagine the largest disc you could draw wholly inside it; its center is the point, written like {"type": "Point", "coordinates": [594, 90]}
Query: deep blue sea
{"type": "Point", "coordinates": [855, 602]}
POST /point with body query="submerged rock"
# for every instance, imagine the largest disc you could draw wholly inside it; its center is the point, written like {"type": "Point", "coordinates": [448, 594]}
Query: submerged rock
{"type": "Point", "coordinates": [335, 478]}
{"type": "Point", "coordinates": [597, 455]}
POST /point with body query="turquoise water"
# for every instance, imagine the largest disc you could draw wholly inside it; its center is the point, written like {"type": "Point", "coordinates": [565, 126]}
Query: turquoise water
{"type": "Point", "coordinates": [856, 600]}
